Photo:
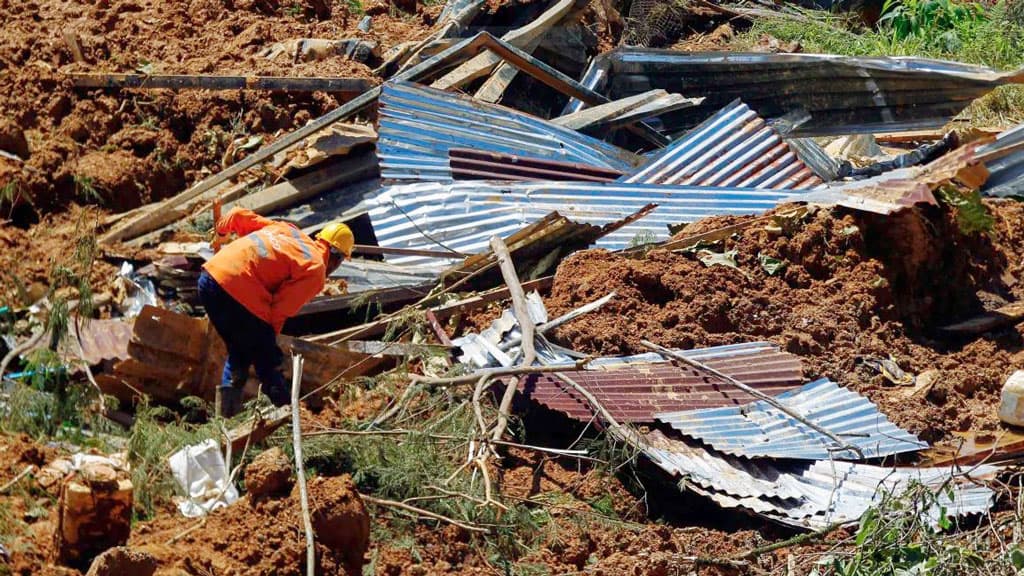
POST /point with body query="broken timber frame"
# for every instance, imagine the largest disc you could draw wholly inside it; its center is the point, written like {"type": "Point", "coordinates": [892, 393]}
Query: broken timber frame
{"type": "Point", "coordinates": [422, 72]}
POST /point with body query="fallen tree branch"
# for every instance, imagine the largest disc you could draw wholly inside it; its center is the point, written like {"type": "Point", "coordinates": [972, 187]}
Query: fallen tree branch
{"type": "Point", "coordinates": [563, 319]}
{"type": "Point", "coordinates": [28, 470]}
{"type": "Point", "coordinates": [526, 327]}
{"type": "Point", "coordinates": [798, 540]}
{"type": "Point", "coordinates": [20, 349]}
{"type": "Point", "coordinates": [299, 472]}
{"type": "Point", "coordinates": [842, 444]}
{"type": "Point", "coordinates": [423, 513]}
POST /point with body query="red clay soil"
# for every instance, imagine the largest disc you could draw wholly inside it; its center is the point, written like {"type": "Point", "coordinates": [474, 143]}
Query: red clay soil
{"type": "Point", "coordinates": [854, 286]}
{"type": "Point", "coordinates": [264, 536]}
{"type": "Point", "coordinates": [131, 147]}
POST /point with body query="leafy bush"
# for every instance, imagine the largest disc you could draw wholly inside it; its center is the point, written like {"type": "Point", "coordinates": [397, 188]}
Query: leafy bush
{"type": "Point", "coordinates": [937, 21]}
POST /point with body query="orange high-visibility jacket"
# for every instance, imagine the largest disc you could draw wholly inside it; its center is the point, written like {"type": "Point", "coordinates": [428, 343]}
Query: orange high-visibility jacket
{"type": "Point", "coordinates": [272, 269]}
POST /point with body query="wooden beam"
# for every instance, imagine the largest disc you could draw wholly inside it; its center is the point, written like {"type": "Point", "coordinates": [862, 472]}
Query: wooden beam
{"type": "Point", "coordinates": [999, 318]}
{"type": "Point", "coordinates": [604, 112]}
{"type": "Point", "coordinates": [292, 191]}
{"type": "Point", "coordinates": [340, 85]}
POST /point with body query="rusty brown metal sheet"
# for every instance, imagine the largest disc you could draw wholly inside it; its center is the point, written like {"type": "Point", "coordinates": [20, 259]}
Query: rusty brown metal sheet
{"type": "Point", "coordinates": [468, 164]}
{"type": "Point", "coordinates": [635, 392]}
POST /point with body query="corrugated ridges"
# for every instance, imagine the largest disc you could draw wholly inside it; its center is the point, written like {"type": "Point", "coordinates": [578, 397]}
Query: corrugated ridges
{"type": "Point", "coordinates": [636, 392]}
{"type": "Point", "coordinates": [761, 430]}
{"type": "Point", "coordinates": [464, 215]}
{"type": "Point", "coordinates": [1005, 174]}
{"type": "Point", "coordinates": [734, 147]}
{"type": "Point", "coordinates": [483, 165]}
{"type": "Point", "coordinates": [419, 125]}
{"type": "Point", "coordinates": [812, 495]}
{"type": "Point", "coordinates": [842, 94]}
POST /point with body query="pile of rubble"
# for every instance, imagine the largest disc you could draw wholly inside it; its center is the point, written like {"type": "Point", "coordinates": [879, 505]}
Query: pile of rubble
{"type": "Point", "coordinates": [460, 203]}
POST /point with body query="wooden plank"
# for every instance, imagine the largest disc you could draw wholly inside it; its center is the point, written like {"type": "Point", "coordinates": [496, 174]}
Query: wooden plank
{"type": "Point", "coordinates": [292, 191]}
{"type": "Point", "coordinates": [384, 296]}
{"type": "Point", "coordinates": [366, 249]}
{"type": "Point", "coordinates": [604, 112]}
{"type": "Point", "coordinates": [999, 318]}
{"type": "Point", "coordinates": [338, 85]}
{"type": "Point", "coordinates": [520, 38]}
{"type": "Point", "coordinates": [378, 327]}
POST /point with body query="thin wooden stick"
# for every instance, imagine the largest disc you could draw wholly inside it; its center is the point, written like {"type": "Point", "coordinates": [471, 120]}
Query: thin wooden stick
{"type": "Point", "coordinates": [299, 472]}
{"type": "Point", "coordinates": [19, 350]}
{"type": "Point", "coordinates": [495, 373]}
{"type": "Point", "coordinates": [581, 454]}
{"type": "Point", "coordinates": [843, 444]}
{"type": "Point", "coordinates": [28, 470]}
{"type": "Point", "coordinates": [526, 327]}
{"type": "Point", "coordinates": [424, 513]}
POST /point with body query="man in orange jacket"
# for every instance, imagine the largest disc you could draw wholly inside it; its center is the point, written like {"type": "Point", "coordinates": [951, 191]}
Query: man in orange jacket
{"type": "Point", "coordinates": [252, 285]}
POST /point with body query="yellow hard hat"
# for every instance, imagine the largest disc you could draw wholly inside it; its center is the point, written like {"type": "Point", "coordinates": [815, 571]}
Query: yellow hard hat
{"type": "Point", "coordinates": [338, 235]}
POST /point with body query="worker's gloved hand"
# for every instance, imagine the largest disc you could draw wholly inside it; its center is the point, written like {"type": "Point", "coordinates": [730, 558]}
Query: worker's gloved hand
{"type": "Point", "coordinates": [230, 401]}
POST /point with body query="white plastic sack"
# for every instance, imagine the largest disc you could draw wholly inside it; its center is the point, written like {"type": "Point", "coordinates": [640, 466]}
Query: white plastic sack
{"type": "Point", "coordinates": [201, 472]}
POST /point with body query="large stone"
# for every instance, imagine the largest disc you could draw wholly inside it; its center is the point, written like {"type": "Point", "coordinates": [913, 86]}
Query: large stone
{"type": "Point", "coordinates": [123, 561]}
{"type": "Point", "coordinates": [92, 518]}
{"type": "Point", "coordinates": [269, 473]}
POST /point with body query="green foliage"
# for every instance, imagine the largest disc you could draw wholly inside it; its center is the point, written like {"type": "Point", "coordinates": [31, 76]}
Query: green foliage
{"type": "Point", "coordinates": [972, 216]}
{"type": "Point", "coordinates": [152, 441]}
{"type": "Point", "coordinates": [85, 188]}
{"type": "Point", "coordinates": [900, 537]}
{"type": "Point", "coordinates": [938, 22]}
{"type": "Point", "coordinates": [642, 239]}
{"type": "Point", "coordinates": [771, 265]}
{"type": "Point", "coordinates": [356, 6]}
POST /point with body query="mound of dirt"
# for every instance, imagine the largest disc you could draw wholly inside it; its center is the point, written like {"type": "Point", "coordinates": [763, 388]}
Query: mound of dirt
{"type": "Point", "coordinates": [852, 286]}
{"type": "Point", "coordinates": [123, 561]}
{"type": "Point", "coordinates": [266, 536]}
{"type": "Point", "coordinates": [134, 146]}
{"type": "Point", "coordinates": [268, 474]}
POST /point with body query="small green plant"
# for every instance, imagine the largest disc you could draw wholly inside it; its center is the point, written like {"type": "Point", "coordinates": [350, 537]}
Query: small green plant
{"type": "Point", "coordinates": [642, 238]}
{"type": "Point", "coordinates": [972, 216]}
{"type": "Point", "coordinates": [294, 10]}
{"type": "Point", "coordinates": [85, 188]}
{"type": "Point", "coordinates": [356, 7]}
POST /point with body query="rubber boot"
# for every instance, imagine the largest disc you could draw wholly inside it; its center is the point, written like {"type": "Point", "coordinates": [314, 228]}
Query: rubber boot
{"type": "Point", "coordinates": [230, 401]}
{"type": "Point", "coordinates": [279, 395]}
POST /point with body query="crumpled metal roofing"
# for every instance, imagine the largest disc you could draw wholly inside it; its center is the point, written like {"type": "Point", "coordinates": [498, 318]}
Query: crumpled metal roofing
{"type": "Point", "coordinates": [419, 125]}
{"type": "Point", "coordinates": [734, 147]}
{"type": "Point", "coordinates": [635, 391]}
{"type": "Point", "coordinates": [762, 430]}
{"type": "Point", "coordinates": [464, 215]}
{"type": "Point", "coordinates": [843, 94]}
{"type": "Point", "coordinates": [811, 495]}
{"type": "Point", "coordinates": [1006, 173]}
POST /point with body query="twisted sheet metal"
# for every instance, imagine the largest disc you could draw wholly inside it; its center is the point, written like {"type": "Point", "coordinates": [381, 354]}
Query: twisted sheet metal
{"type": "Point", "coordinates": [1006, 174]}
{"type": "Point", "coordinates": [813, 495]}
{"type": "Point", "coordinates": [464, 215]}
{"type": "Point", "coordinates": [843, 94]}
{"type": "Point", "coordinates": [420, 125]}
{"type": "Point", "coordinates": [635, 392]}
{"type": "Point", "coordinates": [761, 430]}
{"type": "Point", "coordinates": [734, 147]}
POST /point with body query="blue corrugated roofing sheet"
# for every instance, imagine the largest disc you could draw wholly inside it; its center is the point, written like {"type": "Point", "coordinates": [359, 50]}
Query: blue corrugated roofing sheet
{"type": "Point", "coordinates": [735, 147]}
{"type": "Point", "coordinates": [812, 495]}
{"type": "Point", "coordinates": [761, 430]}
{"type": "Point", "coordinates": [464, 215]}
{"type": "Point", "coordinates": [419, 125]}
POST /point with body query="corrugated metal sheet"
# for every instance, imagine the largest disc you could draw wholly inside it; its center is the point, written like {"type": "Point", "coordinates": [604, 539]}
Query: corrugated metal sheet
{"type": "Point", "coordinates": [1006, 174]}
{"type": "Point", "coordinates": [419, 125]}
{"type": "Point", "coordinates": [464, 215]}
{"type": "Point", "coordinates": [812, 495]}
{"type": "Point", "coordinates": [761, 430]}
{"type": "Point", "coordinates": [636, 392]}
{"type": "Point", "coordinates": [843, 94]}
{"type": "Point", "coordinates": [904, 187]}
{"type": "Point", "coordinates": [482, 165]}
{"type": "Point", "coordinates": [734, 147]}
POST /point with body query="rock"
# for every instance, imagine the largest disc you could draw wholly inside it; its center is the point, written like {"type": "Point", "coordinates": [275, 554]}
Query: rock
{"type": "Point", "coordinates": [269, 473]}
{"type": "Point", "coordinates": [1011, 407]}
{"type": "Point", "coordinates": [123, 561]}
{"type": "Point", "coordinates": [12, 139]}
{"type": "Point", "coordinates": [340, 519]}
{"type": "Point", "coordinates": [92, 519]}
